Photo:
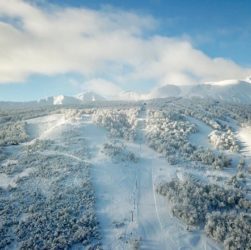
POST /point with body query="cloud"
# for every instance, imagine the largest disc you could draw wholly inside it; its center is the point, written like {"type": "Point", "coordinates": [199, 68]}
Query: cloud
{"type": "Point", "coordinates": [102, 87]}
{"type": "Point", "coordinates": [107, 43]}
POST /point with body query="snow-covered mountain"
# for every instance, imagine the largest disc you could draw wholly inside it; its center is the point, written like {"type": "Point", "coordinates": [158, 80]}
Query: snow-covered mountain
{"type": "Point", "coordinates": [89, 96]}
{"type": "Point", "coordinates": [66, 100]}
{"type": "Point", "coordinates": [238, 91]}
{"type": "Point", "coordinates": [59, 100]}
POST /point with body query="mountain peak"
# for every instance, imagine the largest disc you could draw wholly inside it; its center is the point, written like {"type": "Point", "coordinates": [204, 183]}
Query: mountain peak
{"type": "Point", "coordinates": [228, 90]}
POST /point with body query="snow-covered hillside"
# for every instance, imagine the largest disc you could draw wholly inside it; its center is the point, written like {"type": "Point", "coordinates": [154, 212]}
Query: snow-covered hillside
{"type": "Point", "coordinates": [161, 174]}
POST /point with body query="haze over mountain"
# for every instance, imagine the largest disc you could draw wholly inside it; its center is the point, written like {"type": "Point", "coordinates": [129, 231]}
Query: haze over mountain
{"type": "Point", "coordinates": [89, 96]}
{"type": "Point", "coordinates": [237, 91]}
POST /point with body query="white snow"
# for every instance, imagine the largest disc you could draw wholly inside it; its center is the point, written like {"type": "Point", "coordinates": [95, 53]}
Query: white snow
{"type": "Point", "coordinates": [89, 96]}
{"type": "Point", "coordinates": [200, 138]}
{"type": "Point", "coordinates": [6, 180]}
{"type": "Point", "coordinates": [128, 207]}
{"type": "Point", "coordinates": [225, 82]}
{"type": "Point", "coordinates": [245, 137]}
{"type": "Point", "coordinates": [239, 92]}
{"type": "Point", "coordinates": [58, 100]}
{"type": "Point", "coordinates": [42, 127]}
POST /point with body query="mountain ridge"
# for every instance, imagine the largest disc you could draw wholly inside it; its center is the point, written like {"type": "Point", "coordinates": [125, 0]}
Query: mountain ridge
{"type": "Point", "coordinates": [237, 91]}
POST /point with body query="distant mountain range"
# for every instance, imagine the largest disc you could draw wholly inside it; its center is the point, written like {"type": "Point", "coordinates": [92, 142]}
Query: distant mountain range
{"type": "Point", "coordinates": [232, 91]}
{"type": "Point", "coordinates": [88, 96]}
{"type": "Point", "coordinates": [237, 91]}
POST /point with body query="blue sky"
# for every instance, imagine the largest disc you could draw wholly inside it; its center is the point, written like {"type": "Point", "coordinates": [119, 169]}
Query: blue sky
{"type": "Point", "coordinates": [199, 30]}
{"type": "Point", "coordinates": [218, 27]}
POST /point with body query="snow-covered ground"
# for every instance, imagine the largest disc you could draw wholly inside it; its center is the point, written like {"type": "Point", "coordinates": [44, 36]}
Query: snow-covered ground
{"type": "Point", "coordinates": [129, 208]}
{"type": "Point", "coordinates": [119, 193]}
{"type": "Point", "coordinates": [245, 137]}
{"type": "Point", "coordinates": [6, 181]}
{"type": "Point", "coordinates": [200, 138]}
{"type": "Point", "coordinates": [42, 127]}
